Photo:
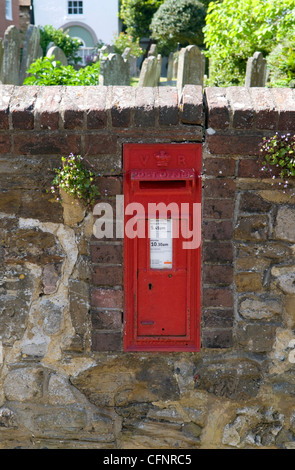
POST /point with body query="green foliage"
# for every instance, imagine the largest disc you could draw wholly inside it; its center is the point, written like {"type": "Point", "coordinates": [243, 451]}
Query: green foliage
{"type": "Point", "coordinates": [178, 22]}
{"type": "Point", "coordinates": [126, 40]}
{"type": "Point", "coordinates": [137, 16]}
{"type": "Point", "coordinates": [61, 39]}
{"type": "Point", "coordinates": [75, 179]}
{"type": "Point", "coordinates": [281, 62]}
{"type": "Point", "coordinates": [233, 32]}
{"type": "Point", "coordinates": [278, 156]}
{"type": "Point", "coordinates": [48, 71]}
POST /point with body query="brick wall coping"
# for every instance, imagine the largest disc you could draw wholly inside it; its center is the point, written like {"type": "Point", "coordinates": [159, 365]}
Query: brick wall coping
{"type": "Point", "coordinates": [95, 107]}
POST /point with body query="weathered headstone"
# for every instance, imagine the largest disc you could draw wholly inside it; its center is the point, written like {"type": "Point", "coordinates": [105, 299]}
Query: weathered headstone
{"type": "Point", "coordinates": [256, 72]}
{"type": "Point", "coordinates": [159, 67]}
{"type": "Point", "coordinates": [149, 72]}
{"type": "Point", "coordinates": [170, 67]}
{"type": "Point", "coordinates": [1, 60]}
{"type": "Point", "coordinates": [132, 61]}
{"type": "Point", "coordinates": [31, 50]}
{"type": "Point", "coordinates": [191, 67]}
{"type": "Point", "coordinates": [175, 64]}
{"type": "Point", "coordinates": [114, 70]}
{"type": "Point", "coordinates": [58, 54]}
{"type": "Point", "coordinates": [11, 58]}
{"type": "Point", "coordinates": [153, 50]}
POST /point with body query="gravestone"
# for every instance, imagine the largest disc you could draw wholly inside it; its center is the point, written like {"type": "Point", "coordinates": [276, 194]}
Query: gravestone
{"type": "Point", "coordinates": [175, 64]}
{"type": "Point", "coordinates": [58, 54]}
{"type": "Point", "coordinates": [153, 50]}
{"type": "Point", "coordinates": [11, 57]}
{"type": "Point", "coordinates": [114, 70]}
{"type": "Point", "coordinates": [1, 60]}
{"type": "Point", "coordinates": [31, 50]}
{"type": "Point", "coordinates": [159, 67]}
{"type": "Point", "coordinates": [191, 67]}
{"type": "Point", "coordinates": [149, 72]}
{"type": "Point", "coordinates": [256, 72]}
{"type": "Point", "coordinates": [170, 67]}
{"type": "Point", "coordinates": [132, 61]}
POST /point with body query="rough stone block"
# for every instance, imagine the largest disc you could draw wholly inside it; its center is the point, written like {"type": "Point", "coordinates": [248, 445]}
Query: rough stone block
{"type": "Point", "coordinates": [285, 224]}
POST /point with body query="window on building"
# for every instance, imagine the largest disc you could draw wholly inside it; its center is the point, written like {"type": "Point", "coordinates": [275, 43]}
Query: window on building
{"type": "Point", "coordinates": [8, 9]}
{"type": "Point", "coordinates": [75, 7]}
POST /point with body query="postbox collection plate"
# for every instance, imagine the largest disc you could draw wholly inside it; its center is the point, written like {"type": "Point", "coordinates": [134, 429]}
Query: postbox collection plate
{"type": "Point", "coordinates": [162, 275]}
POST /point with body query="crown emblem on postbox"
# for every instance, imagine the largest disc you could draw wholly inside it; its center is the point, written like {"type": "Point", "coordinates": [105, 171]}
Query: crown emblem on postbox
{"type": "Point", "coordinates": [162, 158]}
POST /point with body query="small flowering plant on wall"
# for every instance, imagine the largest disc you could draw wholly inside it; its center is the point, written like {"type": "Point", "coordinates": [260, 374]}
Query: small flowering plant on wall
{"type": "Point", "coordinates": [278, 157]}
{"type": "Point", "coordinates": [75, 179]}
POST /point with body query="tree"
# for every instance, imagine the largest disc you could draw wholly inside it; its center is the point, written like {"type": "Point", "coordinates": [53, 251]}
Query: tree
{"type": "Point", "coordinates": [178, 22]}
{"type": "Point", "coordinates": [61, 39]}
{"type": "Point", "coordinates": [281, 62]}
{"type": "Point", "coordinates": [137, 16]}
{"type": "Point", "coordinates": [232, 34]}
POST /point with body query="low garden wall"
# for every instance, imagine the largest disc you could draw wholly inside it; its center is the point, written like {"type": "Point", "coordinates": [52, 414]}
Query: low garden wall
{"type": "Point", "coordinates": [65, 381]}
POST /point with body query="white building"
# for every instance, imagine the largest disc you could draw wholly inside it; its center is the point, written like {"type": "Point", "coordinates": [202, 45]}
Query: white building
{"type": "Point", "coordinates": [88, 20]}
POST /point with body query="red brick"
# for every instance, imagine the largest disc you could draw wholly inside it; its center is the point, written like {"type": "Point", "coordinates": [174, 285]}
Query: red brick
{"type": "Point", "coordinates": [168, 106]}
{"type": "Point", "coordinates": [122, 102]}
{"type": "Point", "coordinates": [220, 167]}
{"type": "Point", "coordinates": [106, 254]}
{"type": "Point", "coordinates": [233, 144]}
{"type": "Point", "coordinates": [5, 97]}
{"type": "Point", "coordinates": [192, 105]}
{"type": "Point", "coordinates": [46, 144]}
{"type": "Point", "coordinates": [218, 318]}
{"type": "Point", "coordinates": [218, 275]}
{"type": "Point", "coordinates": [96, 107]}
{"type": "Point", "coordinates": [219, 188]}
{"type": "Point", "coordinates": [266, 112]}
{"type": "Point", "coordinates": [22, 107]}
{"type": "Point", "coordinates": [218, 209]}
{"type": "Point", "coordinates": [217, 108]}
{"type": "Point", "coordinates": [285, 101]}
{"type": "Point", "coordinates": [4, 143]}
{"type": "Point", "coordinates": [47, 107]}
{"type": "Point", "coordinates": [106, 341]}
{"type": "Point", "coordinates": [144, 112]}
{"type": "Point", "coordinates": [109, 186]}
{"type": "Point", "coordinates": [217, 297]}
{"type": "Point", "coordinates": [107, 298]}
{"type": "Point", "coordinates": [218, 252]}
{"type": "Point", "coordinates": [241, 107]}
{"type": "Point", "coordinates": [107, 275]}
{"type": "Point", "coordinates": [253, 169]}
{"type": "Point", "coordinates": [217, 230]}
{"type": "Point", "coordinates": [106, 319]}
{"type": "Point", "coordinates": [100, 144]}
{"type": "Point", "coordinates": [217, 338]}
{"type": "Point", "coordinates": [73, 105]}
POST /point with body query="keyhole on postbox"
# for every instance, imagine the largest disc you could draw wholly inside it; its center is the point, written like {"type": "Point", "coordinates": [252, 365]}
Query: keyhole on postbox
{"type": "Point", "coordinates": [150, 286]}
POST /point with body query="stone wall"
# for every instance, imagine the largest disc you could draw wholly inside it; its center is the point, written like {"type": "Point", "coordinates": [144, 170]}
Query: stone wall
{"type": "Point", "coordinates": [64, 380]}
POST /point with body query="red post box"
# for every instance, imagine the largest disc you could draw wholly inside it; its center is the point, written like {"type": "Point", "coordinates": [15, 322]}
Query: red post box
{"type": "Point", "coordinates": [162, 249]}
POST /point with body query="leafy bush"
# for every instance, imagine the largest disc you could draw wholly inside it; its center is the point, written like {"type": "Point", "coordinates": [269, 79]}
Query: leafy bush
{"type": "Point", "coordinates": [75, 179]}
{"type": "Point", "coordinates": [278, 159]}
{"type": "Point", "coordinates": [234, 32]}
{"type": "Point", "coordinates": [61, 39]}
{"type": "Point", "coordinates": [178, 22]}
{"type": "Point", "coordinates": [137, 16]}
{"type": "Point", "coordinates": [48, 71]}
{"type": "Point", "coordinates": [126, 40]}
{"type": "Point", "coordinates": [281, 63]}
